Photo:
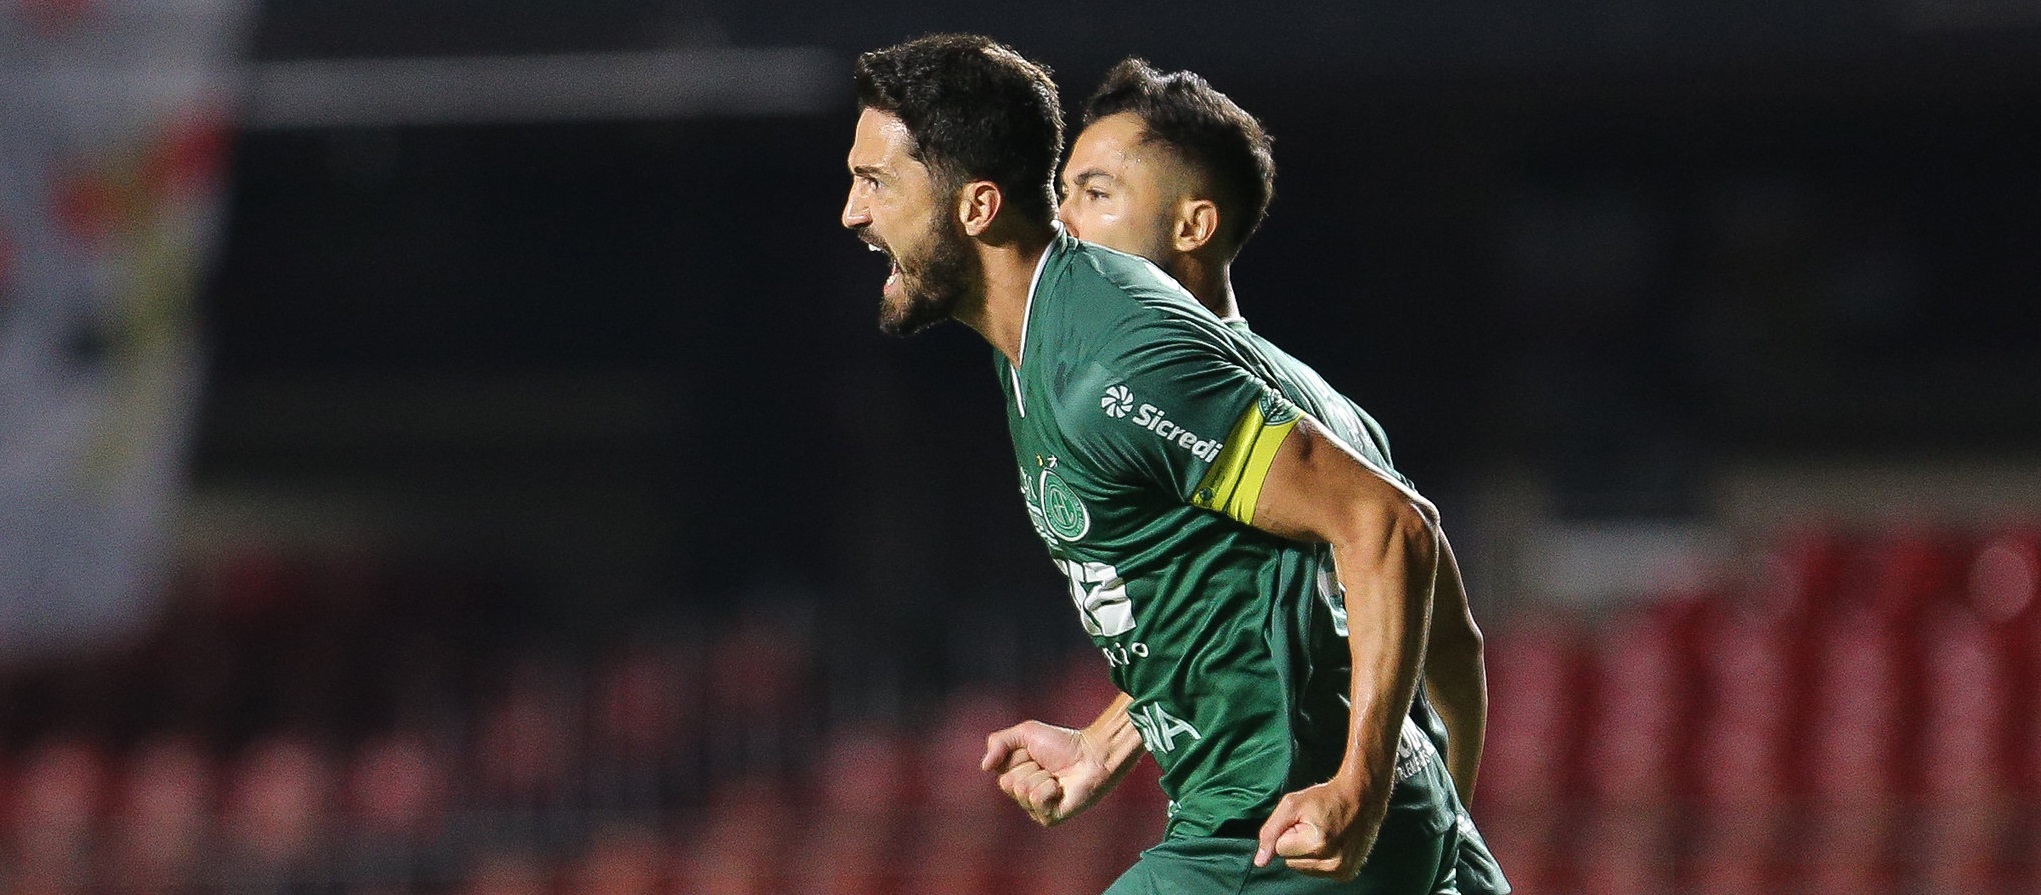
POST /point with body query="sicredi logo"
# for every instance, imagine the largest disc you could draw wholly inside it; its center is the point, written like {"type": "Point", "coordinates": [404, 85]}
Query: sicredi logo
{"type": "Point", "coordinates": [1119, 401]}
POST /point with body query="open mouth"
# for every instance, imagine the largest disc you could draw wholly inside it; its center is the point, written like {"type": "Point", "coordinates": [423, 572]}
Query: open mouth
{"type": "Point", "coordinates": [893, 267]}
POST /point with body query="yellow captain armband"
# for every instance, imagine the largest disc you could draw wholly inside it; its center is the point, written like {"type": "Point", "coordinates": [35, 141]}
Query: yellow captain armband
{"type": "Point", "coordinates": [1233, 484]}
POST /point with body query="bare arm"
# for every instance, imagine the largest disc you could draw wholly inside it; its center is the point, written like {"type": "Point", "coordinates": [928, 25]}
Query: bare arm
{"type": "Point", "coordinates": [1455, 675]}
{"type": "Point", "coordinates": [1385, 546]}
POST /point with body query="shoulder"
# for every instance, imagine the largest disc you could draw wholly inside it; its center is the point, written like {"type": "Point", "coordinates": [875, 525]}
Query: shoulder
{"type": "Point", "coordinates": [1093, 290]}
{"type": "Point", "coordinates": [1133, 304]}
{"type": "Point", "coordinates": [1107, 313]}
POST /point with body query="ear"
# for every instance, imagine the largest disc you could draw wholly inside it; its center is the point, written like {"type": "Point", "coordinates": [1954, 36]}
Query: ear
{"type": "Point", "coordinates": [977, 206]}
{"type": "Point", "coordinates": [1197, 224]}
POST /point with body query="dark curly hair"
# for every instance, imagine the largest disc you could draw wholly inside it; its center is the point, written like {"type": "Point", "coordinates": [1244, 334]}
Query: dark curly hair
{"type": "Point", "coordinates": [1205, 128]}
{"type": "Point", "coordinates": [977, 110]}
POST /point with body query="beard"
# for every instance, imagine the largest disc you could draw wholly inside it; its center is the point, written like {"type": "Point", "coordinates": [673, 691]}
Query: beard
{"type": "Point", "coordinates": [931, 285]}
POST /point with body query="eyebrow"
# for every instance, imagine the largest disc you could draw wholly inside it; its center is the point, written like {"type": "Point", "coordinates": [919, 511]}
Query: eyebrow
{"type": "Point", "coordinates": [1088, 175]}
{"type": "Point", "coordinates": [870, 171]}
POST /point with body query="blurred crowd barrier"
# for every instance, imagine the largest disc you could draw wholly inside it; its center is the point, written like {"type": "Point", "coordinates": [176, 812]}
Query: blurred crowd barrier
{"type": "Point", "coordinates": [1859, 715]}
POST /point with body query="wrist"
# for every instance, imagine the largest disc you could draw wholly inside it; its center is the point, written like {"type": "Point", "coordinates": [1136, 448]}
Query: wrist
{"type": "Point", "coordinates": [1358, 777]}
{"type": "Point", "coordinates": [1114, 741]}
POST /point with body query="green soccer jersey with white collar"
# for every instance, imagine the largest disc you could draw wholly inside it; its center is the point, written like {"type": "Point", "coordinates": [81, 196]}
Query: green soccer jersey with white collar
{"type": "Point", "coordinates": [1143, 427]}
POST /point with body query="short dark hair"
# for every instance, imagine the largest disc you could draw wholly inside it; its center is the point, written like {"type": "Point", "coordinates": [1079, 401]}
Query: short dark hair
{"type": "Point", "coordinates": [976, 110]}
{"type": "Point", "coordinates": [1205, 128]}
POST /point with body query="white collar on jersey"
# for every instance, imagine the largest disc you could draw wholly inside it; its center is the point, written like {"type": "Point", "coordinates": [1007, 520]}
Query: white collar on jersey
{"type": "Point", "coordinates": [1028, 311]}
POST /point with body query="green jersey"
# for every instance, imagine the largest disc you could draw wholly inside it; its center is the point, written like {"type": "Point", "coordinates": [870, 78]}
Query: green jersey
{"type": "Point", "coordinates": [1144, 427]}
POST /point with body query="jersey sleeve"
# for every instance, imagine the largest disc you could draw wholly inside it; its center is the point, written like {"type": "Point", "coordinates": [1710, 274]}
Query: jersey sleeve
{"type": "Point", "coordinates": [1172, 409]}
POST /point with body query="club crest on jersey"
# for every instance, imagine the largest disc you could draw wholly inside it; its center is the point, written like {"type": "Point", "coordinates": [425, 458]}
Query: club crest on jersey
{"type": "Point", "coordinates": [1061, 510]}
{"type": "Point", "coordinates": [1053, 506]}
{"type": "Point", "coordinates": [1119, 402]}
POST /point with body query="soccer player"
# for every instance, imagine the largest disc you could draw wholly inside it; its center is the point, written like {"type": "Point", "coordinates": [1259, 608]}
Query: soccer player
{"type": "Point", "coordinates": [1176, 172]}
{"type": "Point", "coordinates": [1261, 592]}
{"type": "Point", "coordinates": [1171, 169]}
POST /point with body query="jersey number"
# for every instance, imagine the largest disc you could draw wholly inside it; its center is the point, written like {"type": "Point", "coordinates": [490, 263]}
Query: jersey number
{"type": "Point", "coordinates": [1101, 597]}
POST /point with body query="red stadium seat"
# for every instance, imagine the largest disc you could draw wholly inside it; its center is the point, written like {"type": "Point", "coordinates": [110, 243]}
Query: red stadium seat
{"type": "Point", "coordinates": [1749, 703]}
{"type": "Point", "coordinates": [164, 815]}
{"type": "Point", "coordinates": [1637, 725]}
{"type": "Point", "coordinates": [646, 702]}
{"type": "Point", "coordinates": [62, 788]}
{"type": "Point", "coordinates": [1535, 704]}
{"type": "Point", "coordinates": [1536, 685]}
{"type": "Point", "coordinates": [397, 786]}
{"type": "Point", "coordinates": [2003, 583]}
{"type": "Point", "coordinates": [275, 810]}
{"type": "Point", "coordinates": [1859, 734]}
{"type": "Point", "coordinates": [1968, 700]}
{"type": "Point", "coordinates": [526, 740]}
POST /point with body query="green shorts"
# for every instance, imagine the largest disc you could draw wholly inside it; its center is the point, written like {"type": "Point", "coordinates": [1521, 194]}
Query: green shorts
{"type": "Point", "coordinates": [1409, 858]}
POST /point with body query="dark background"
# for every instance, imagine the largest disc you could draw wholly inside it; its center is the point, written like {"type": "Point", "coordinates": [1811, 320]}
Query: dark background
{"type": "Point", "coordinates": [1617, 246]}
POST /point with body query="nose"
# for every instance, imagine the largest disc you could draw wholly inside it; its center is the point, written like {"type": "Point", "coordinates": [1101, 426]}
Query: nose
{"type": "Point", "coordinates": [855, 212]}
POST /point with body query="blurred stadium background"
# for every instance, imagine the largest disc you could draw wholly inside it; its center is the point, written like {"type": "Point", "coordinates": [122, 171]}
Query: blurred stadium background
{"type": "Point", "coordinates": [444, 446]}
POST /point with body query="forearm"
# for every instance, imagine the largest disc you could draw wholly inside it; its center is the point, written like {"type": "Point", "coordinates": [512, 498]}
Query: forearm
{"type": "Point", "coordinates": [1387, 572]}
{"type": "Point", "coordinates": [1118, 741]}
{"type": "Point", "coordinates": [1456, 676]}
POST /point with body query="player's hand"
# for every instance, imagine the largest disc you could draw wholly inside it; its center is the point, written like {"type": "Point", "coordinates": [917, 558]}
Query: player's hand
{"type": "Point", "coordinates": [1317, 832]}
{"type": "Point", "coordinates": [1053, 773]}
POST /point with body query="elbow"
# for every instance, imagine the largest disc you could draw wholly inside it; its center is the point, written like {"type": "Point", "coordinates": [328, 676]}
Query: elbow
{"type": "Point", "coordinates": [1456, 638]}
{"type": "Point", "coordinates": [1405, 530]}
{"type": "Point", "coordinates": [1416, 522]}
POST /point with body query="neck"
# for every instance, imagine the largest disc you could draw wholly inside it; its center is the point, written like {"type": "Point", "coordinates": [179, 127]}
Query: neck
{"type": "Point", "coordinates": [999, 312]}
{"type": "Point", "coordinates": [1210, 281]}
